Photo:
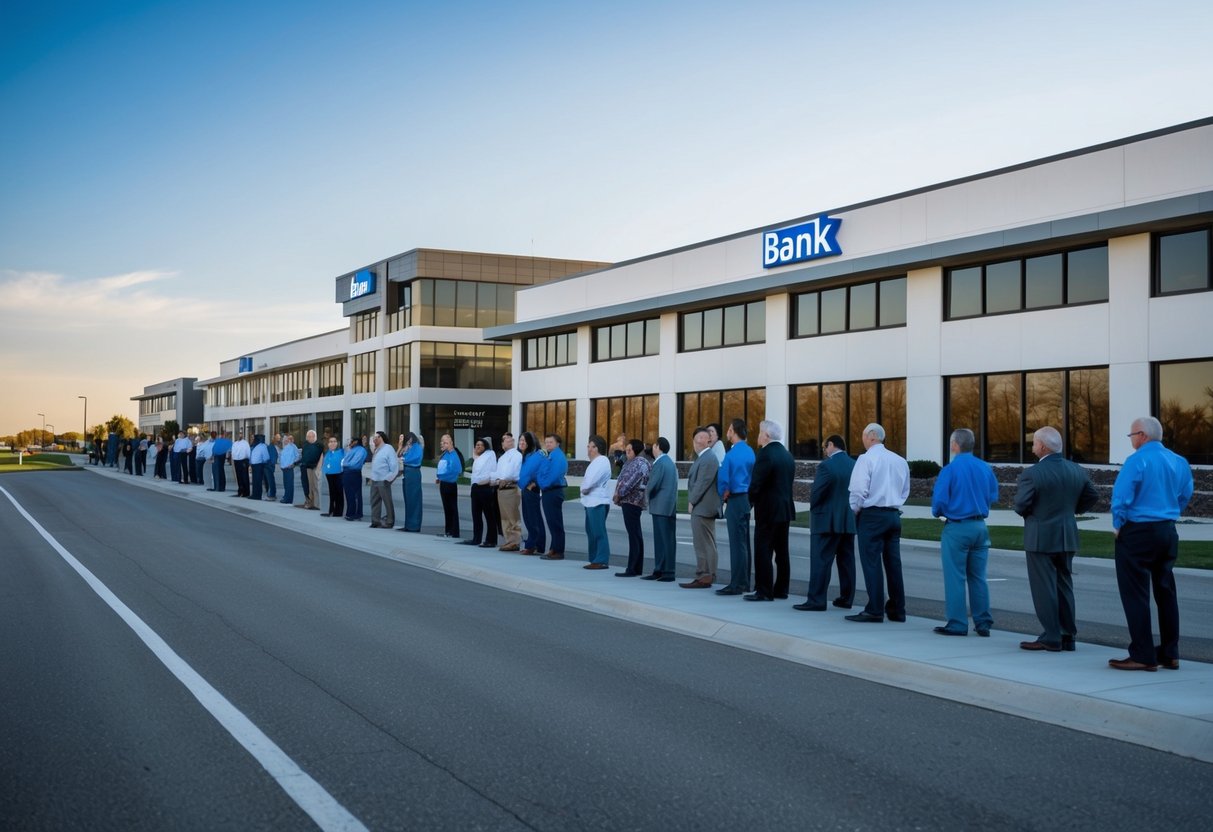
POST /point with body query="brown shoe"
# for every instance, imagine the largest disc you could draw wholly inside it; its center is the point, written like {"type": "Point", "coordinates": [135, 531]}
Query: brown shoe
{"type": "Point", "coordinates": [698, 583]}
{"type": "Point", "coordinates": [512, 547]}
{"type": "Point", "coordinates": [552, 556]}
{"type": "Point", "coordinates": [527, 552]}
{"type": "Point", "coordinates": [1169, 664]}
{"type": "Point", "coordinates": [1039, 645]}
{"type": "Point", "coordinates": [595, 566]}
{"type": "Point", "coordinates": [1129, 664]}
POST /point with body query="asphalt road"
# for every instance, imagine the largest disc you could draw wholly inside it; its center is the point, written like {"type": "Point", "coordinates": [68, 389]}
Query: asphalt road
{"type": "Point", "coordinates": [419, 701]}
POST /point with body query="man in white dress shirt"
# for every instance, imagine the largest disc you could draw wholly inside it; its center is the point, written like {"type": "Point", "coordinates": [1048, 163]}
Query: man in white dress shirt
{"type": "Point", "coordinates": [880, 485]}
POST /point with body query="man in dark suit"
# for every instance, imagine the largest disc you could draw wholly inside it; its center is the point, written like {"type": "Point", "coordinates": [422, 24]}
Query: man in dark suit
{"type": "Point", "coordinates": [774, 511]}
{"type": "Point", "coordinates": [662, 492]}
{"type": "Point", "coordinates": [1048, 496]}
{"type": "Point", "coordinates": [832, 524]}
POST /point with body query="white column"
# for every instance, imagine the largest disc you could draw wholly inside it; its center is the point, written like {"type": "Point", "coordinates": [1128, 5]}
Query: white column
{"type": "Point", "coordinates": [776, 375]}
{"type": "Point", "coordinates": [1129, 331]}
{"type": "Point", "coordinates": [924, 385]}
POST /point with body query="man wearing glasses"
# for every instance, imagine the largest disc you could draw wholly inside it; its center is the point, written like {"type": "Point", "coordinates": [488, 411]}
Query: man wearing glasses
{"type": "Point", "coordinates": [1151, 490]}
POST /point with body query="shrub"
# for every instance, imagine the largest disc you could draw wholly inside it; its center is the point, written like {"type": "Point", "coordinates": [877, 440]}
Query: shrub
{"type": "Point", "coordinates": [924, 469]}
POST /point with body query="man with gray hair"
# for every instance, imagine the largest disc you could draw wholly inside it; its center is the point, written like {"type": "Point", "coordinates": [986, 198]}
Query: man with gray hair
{"type": "Point", "coordinates": [1151, 491]}
{"type": "Point", "coordinates": [1048, 496]}
{"type": "Point", "coordinates": [704, 503]}
{"type": "Point", "coordinates": [964, 491]}
{"type": "Point", "coordinates": [879, 487]}
{"type": "Point", "coordinates": [774, 511]}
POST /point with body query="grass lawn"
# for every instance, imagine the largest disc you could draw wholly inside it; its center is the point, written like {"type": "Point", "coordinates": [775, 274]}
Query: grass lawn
{"type": "Point", "coordinates": [35, 462]}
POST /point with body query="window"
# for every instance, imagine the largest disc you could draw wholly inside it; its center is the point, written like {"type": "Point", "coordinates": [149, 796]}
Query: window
{"type": "Point", "coordinates": [159, 404]}
{"type": "Point", "coordinates": [364, 325]}
{"type": "Point", "coordinates": [397, 418]}
{"type": "Point", "coordinates": [329, 423]}
{"type": "Point", "coordinates": [332, 379]}
{"type": "Point", "coordinates": [364, 373]}
{"type": "Point", "coordinates": [289, 385]}
{"type": "Point", "coordinates": [467, 303]}
{"type": "Point", "coordinates": [635, 416]}
{"type": "Point", "coordinates": [557, 350]}
{"type": "Point", "coordinates": [1004, 409]}
{"type": "Point", "coordinates": [1063, 279]}
{"type": "Point", "coordinates": [1181, 262]}
{"type": "Point", "coordinates": [399, 366]}
{"type": "Point", "coordinates": [846, 408]}
{"type": "Point", "coordinates": [630, 340]}
{"type": "Point", "coordinates": [558, 417]}
{"type": "Point", "coordinates": [724, 326]}
{"type": "Point", "coordinates": [873, 305]}
{"type": "Point", "coordinates": [1183, 402]}
{"type": "Point", "coordinates": [469, 366]}
{"type": "Point", "coordinates": [402, 316]}
{"type": "Point", "coordinates": [721, 407]}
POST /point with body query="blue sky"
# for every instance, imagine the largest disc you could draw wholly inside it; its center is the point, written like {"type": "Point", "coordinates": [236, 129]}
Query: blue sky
{"type": "Point", "coordinates": [181, 182]}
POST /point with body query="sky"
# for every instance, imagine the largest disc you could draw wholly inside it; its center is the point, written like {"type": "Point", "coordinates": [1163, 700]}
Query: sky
{"type": "Point", "coordinates": [180, 183]}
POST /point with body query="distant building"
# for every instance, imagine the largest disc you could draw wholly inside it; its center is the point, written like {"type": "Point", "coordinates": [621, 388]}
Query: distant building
{"type": "Point", "coordinates": [412, 358]}
{"type": "Point", "coordinates": [177, 400]}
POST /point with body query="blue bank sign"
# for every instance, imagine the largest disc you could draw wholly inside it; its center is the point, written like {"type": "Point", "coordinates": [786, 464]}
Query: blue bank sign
{"type": "Point", "coordinates": [246, 364]}
{"type": "Point", "coordinates": [807, 241]}
{"type": "Point", "coordinates": [362, 283]}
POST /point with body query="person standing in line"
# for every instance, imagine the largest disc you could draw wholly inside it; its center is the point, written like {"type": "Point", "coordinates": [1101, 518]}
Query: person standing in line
{"type": "Point", "coordinates": [271, 448]}
{"type": "Point", "coordinates": [533, 459]}
{"type": "Point", "coordinates": [552, 482]}
{"type": "Point", "coordinates": [662, 495]}
{"type": "Point", "coordinates": [192, 469]}
{"type": "Point", "coordinates": [259, 457]}
{"type": "Point", "coordinates": [128, 456]}
{"type": "Point", "coordinates": [965, 490]}
{"type": "Point", "coordinates": [733, 483]}
{"type": "Point", "coordinates": [774, 511]}
{"type": "Point", "coordinates": [203, 450]}
{"type": "Point", "coordinates": [879, 487]}
{"type": "Point", "coordinates": [332, 477]}
{"type": "Point", "coordinates": [240, 464]}
{"type": "Point", "coordinates": [631, 497]}
{"type": "Point", "coordinates": [288, 460]}
{"type": "Point", "coordinates": [704, 503]}
{"type": "Point", "coordinates": [1048, 496]}
{"type": "Point", "coordinates": [509, 467]}
{"type": "Point", "coordinates": [112, 440]}
{"type": "Point", "coordinates": [141, 456]}
{"type": "Point", "coordinates": [384, 468]}
{"type": "Point", "coordinates": [181, 453]}
{"type": "Point", "coordinates": [715, 442]}
{"type": "Point", "coordinates": [351, 479]}
{"type": "Point", "coordinates": [220, 448]}
{"type": "Point", "coordinates": [832, 529]}
{"type": "Point", "coordinates": [309, 463]}
{"type": "Point", "coordinates": [450, 466]}
{"type": "Point", "coordinates": [412, 450]}
{"type": "Point", "coordinates": [1151, 490]}
{"type": "Point", "coordinates": [484, 495]}
{"type": "Point", "coordinates": [161, 460]}
{"type": "Point", "coordinates": [596, 500]}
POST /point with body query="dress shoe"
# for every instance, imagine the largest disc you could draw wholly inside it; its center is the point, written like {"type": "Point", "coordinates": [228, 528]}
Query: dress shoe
{"type": "Point", "coordinates": [488, 545]}
{"type": "Point", "coordinates": [667, 579]}
{"type": "Point", "coordinates": [627, 574]}
{"type": "Point", "coordinates": [656, 576]}
{"type": "Point", "coordinates": [443, 536]}
{"type": "Point", "coordinates": [757, 596]}
{"type": "Point", "coordinates": [552, 556]}
{"type": "Point", "coordinates": [1039, 645]}
{"type": "Point", "coordinates": [944, 631]}
{"type": "Point", "coordinates": [351, 519]}
{"type": "Point", "coordinates": [210, 489]}
{"type": "Point", "coordinates": [730, 590]}
{"type": "Point", "coordinates": [782, 597]}
{"type": "Point", "coordinates": [313, 508]}
{"type": "Point", "coordinates": [529, 552]}
{"type": "Point", "coordinates": [510, 547]}
{"type": "Point", "coordinates": [326, 514]}
{"type": "Point", "coordinates": [1128, 664]}
{"type": "Point", "coordinates": [595, 566]}
{"type": "Point", "coordinates": [1168, 664]}
{"type": "Point", "coordinates": [375, 526]}
{"type": "Point", "coordinates": [698, 583]}
{"type": "Point", "coordinates": [838, 602]}
{"type": "Point", "coordinates": [984, 632]}
{"type": "Point", "coordinates": [1067, 644]}
{"type": "Point", "coordinates": [807, 607]}
{"type": "Point", "coordinates": [865, 616]}
{"type": "Point", "coordinates": [284, 502]}
{"type": "Point", "coordinates": [469, 542]}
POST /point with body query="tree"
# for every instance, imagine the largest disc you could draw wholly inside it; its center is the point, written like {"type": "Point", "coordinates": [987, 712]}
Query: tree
{"type": "Point", "coordinates": [170, 429]}
{"type": "Point", "coordinates": [122, 426]}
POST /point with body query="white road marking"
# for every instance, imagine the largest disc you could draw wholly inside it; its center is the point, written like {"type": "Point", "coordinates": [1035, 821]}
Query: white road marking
{"type": "Point", "coordinates": [309, 795]}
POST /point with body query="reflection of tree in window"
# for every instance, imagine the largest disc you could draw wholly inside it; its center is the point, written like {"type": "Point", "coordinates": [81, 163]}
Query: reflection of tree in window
{"type": "Point", "coordinates": [1003, 413]}
{"type": "Point", "coordinates": [1088, 429]}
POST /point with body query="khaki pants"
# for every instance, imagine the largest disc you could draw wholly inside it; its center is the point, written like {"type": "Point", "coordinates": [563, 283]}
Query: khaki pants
{"type": "Point", "coordinates": [313, 485]}
{"type": "Point", "coordinates": [509, 503]}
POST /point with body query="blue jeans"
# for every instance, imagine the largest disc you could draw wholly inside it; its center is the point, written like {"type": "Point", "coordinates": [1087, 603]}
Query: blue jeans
{"type": "Point", "coordinates": [258, 479]}
{"type": "Point", "coordinates": [553, 512]}
{"type": "Point", "coordinates": [218, 474]}
{"type": "Point", "coordinates": [595, 530]}
{"type": "Point", "coordinates": [532, 517]}
{"type": "Point", "coordinates": [879, 532]}
{"type": "Point", "coordinates": [288, 485]}
{"type": "Point", "coordinates": [737, 521]}
{"type": "Point", "coordinates": [351, 484]}
{"type": "Point", "coordinates": [964, 550]}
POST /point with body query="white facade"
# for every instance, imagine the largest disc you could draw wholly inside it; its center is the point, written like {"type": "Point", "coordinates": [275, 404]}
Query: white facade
{"type": "Point", "coordinates": [1122, 194]}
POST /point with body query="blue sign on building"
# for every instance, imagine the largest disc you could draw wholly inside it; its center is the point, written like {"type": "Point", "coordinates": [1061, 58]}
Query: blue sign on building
{"type": "Point", "coordinates": [362, 283]}
{"type": "Point", "coordinates": [808, 241]}
{"type": "Point", "coordinates": [246, 364]}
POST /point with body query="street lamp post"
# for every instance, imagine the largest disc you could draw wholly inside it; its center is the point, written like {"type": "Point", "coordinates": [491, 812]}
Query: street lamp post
{"type": "Point", "coordinates": [52, 427]}
{"type": "Point", "coordinates": [42, 436]}
{"type": "Point", "coordinates": [84, 433]}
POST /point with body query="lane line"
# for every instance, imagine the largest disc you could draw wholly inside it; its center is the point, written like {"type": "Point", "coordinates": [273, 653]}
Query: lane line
{"type": "Point", "coordinates": [309, 795]}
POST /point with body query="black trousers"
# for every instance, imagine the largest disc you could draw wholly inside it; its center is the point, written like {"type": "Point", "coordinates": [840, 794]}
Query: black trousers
{"type": "Point", "coordinates": [242, 483]}
{"type": "Point", "coordinates": [336, 495]}
{"type": "Point", "coordinates": [449, 492]}
{"type": "Point", "coordinates": [1145, 558]}
{"type": "Point", "coordinates": [824, 550]}
{"type": "Point", "coordinates": [771, 577]}
{"type": "Point", "coordinates": [880, 554]}
{"type": "Point", "coordinates": [484, 514]}
{"type": "Point", "coordinates": [631, 522]}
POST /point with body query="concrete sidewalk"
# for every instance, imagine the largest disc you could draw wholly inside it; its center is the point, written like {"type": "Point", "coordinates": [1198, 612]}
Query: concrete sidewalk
{"type": "Point", "coordinates": [1167, 710]}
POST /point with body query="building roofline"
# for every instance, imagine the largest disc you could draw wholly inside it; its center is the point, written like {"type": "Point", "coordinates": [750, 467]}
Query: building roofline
{"type": "Point", "coordinates": [419, 249]}
{"type": "Point", "coordinates": [288, 343]}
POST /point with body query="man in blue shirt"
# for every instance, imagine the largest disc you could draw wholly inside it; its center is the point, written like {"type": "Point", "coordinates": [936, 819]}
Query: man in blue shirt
{"type": "Point", "coordinates": [552, 482]}
{"type": "Point", "coordinates": [287, 459]}
{"type": "Point", "coordinates": [733, 485]}
{"type": "Point", "coordinates": [220, 448]}
{"type": "Point", "coordinates": [271, 488]}
{"type": "Point", "coordinates": [1151, 491]}
{"type": "Point", "coordinates": [259, 457]}
{"type": "Point", "coordinates": [964, 492]}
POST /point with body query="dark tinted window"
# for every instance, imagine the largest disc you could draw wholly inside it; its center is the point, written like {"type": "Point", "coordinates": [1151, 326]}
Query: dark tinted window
{"type": "Point", "coordinates": [964, 295]}
{"type": "Point", "coordinates": [1043, 281]}
{"type": "Point", "coordinates": [863, 306]}
{"type": "Point", "coordinates": [1183, 262]}
{"type": "Point", "coordinates": [1087, 275]}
